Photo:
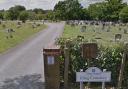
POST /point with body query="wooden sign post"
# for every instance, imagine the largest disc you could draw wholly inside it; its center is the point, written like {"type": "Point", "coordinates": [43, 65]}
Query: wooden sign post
{"type": "Point", "coordinates": [89, 51]}
{"type": "Point", "coordinates": [66, 67]}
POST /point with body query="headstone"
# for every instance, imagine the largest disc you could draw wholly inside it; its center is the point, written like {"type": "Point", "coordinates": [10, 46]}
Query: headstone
{"type": "Point", "coordinates": [18, 23]}
{"type": "Point", "coordinates": [118, 37]}
{"type": "Point", "coordinates": [108, 30]}
{"type": "Point", "coordinates": [72, 24]}
{"type": "Point", "coordinates": [9, 33]}
{"type": "Point", "coordinates": [38, 24]}
{"type": "Point", "coordinates": [33, 25]}
{"type": "Point", "coordinates": [103, 26]}
{"type": "Point", "coordinates": [125, 31]}
{"type": "Point", "coordinates": [119, 28]}
{"type": "Point", "coordinates": [83, 29]}
{"type": "Point", "coordinates": [93, 30]}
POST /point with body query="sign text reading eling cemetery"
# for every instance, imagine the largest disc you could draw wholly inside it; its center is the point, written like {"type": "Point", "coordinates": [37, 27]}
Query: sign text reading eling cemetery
{"type": "Point", "coordinates": [93, 74]}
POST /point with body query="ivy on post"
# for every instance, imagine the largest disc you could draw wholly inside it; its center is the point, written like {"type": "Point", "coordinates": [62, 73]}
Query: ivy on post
{"type": "Point", "coordinates": [66, 65]}
{"type": "Point", "coordinates": [124, 58]}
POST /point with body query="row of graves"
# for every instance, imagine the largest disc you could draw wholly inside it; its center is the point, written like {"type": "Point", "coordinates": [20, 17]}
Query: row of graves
{"type": "Point", "coordinates": [100, 27]}
{"type": "Point", "coordinates": [34, 24]}
{"type": "Point", "coordinates": [93, 22]}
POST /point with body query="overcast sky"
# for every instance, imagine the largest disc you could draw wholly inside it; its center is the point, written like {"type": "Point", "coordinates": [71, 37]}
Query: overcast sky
{"type": "Point", "coordinates": [44, 4]}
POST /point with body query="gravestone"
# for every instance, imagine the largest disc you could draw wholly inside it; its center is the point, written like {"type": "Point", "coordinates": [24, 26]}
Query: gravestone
{"type": "Point", "coordinates": [119, 28]}
{"type": "Point", "coordinates": [125, 31]}
{"type": "Point", "coordinates": [83, 29]}
{"type": "Point", "coordinates": [72, 24]}
{"type": "Point", "coordinates": [38, 24]}
{"type": "Point", "coordinates": [108, 30]}
{"type": "Point", "coordinates": [34, 25]}
{"type": "Point", "coordinates": [118, 37]}
{"type": "Point", "coordinates": [18, 23]}
{"type": "Point", "coordinates": [103, 26]}
{"type": "Point", "coordinates": [9, 33]}
{"type": "Point", "coordinates": [94, 30]}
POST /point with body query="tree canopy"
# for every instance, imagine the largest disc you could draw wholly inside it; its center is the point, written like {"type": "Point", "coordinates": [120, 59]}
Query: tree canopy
{"type": "Point", "coordinates": [69, 9]}
{"type": "Point", "coordinates": [72, 10]}
{"type": "Point", "coordinates": [23, 16]}
{"type": "Point", "coordinates": [108, 10]}
{"type": "Point", "coordinates": [124, 14]}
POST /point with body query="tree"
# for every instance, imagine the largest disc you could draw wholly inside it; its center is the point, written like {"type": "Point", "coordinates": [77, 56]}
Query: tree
{"type": "Point", "coordinates": [113, 9]}
{"type": "Point", "coordinates": [39, 16]}
{"type": "Point", "coordinates": [59, 10]}
{"type": "Point", "coordinates": [31, 15]}
{"type": "Point", "coordinates": [19, 8]}
{"type": "Point", "coordinates": [23, 16]}
{"type": "Point", "coordinates": [124, 14]}
{"type": "Point", "coordinates": [97, 11]}
{"type": "Point", "coordinates": [15, 11]}
{"type": "Point", "coordinates": [1, 15]}
{"type": "Point", "coordinates": [108, 11]}
{"type": "Point", "coordinates": [8, 15]}
{"type": "Point", "coordinates": [38, 11]}
{"type": "Point", "coordinates": [86, 14]}
{"type": "Point", "coordinates": [50, 15]}
{"type": "Point", "coordinates": [69, 10]}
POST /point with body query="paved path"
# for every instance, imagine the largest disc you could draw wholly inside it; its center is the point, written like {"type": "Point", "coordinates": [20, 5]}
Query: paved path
{"type": "Point", "coordinates": [26, 59]}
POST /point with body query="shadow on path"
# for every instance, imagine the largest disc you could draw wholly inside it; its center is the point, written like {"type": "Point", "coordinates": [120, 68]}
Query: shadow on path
{"type": "Point", "coordinates": [24, 82]}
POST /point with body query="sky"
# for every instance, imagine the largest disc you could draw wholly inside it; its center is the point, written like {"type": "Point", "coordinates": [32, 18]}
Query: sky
{"type": "Point", "coordinates": [44, 4]}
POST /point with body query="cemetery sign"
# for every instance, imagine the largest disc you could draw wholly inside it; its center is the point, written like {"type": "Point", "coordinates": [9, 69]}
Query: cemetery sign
{"type": "Point", "coordinates": [93, 74]}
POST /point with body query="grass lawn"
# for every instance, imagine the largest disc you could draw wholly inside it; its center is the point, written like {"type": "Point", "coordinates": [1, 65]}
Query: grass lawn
{"type": "Point", "coordinates": [26, 30]}
{"type": "Point", "coordinates": [95, 33]}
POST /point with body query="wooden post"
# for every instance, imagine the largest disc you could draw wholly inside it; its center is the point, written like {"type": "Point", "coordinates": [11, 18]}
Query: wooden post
{"type": "Point", "coordinates": [66, 54]}
{"type": "Point", "coordinates": [88, 84]}
{"type": "Point", "coordinates": [103, 83]}
{"type": "Point", "coordinates": [52, 67]}
{"type": "Point", "coordinates": [121, 71]}
{"type": "Point", "coordinates": [81, 83]}
{"type": "Point", "coordinates": [89, 51]}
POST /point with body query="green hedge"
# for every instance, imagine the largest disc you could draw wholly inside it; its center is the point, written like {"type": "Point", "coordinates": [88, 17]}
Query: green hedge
{"type": "Point", "coordinates": [108, 58]}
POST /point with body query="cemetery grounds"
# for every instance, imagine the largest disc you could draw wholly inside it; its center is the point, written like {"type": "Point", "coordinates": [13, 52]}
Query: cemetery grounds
{"type": "Point", "coordinates": [20, 32]}
{"type": "Point", "coordinates": [95, 33]}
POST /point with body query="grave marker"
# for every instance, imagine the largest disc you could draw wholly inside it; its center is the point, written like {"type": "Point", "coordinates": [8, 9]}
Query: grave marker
{"type": "Point", "coordinates": [118, 37]}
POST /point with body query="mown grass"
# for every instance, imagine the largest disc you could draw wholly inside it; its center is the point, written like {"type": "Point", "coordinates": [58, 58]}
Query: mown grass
{"type": "Point", "coordinates": [26, 30]}
{"type": "Point", "coordinates": [93, 32]}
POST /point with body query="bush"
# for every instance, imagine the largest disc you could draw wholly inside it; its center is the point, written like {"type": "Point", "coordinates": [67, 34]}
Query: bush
{"type": "Point", "coordinates": [108, 58]}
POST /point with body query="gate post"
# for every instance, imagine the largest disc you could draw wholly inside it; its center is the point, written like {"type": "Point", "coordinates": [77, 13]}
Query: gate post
{"type": "Point", "coordinates": [52, 67]}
